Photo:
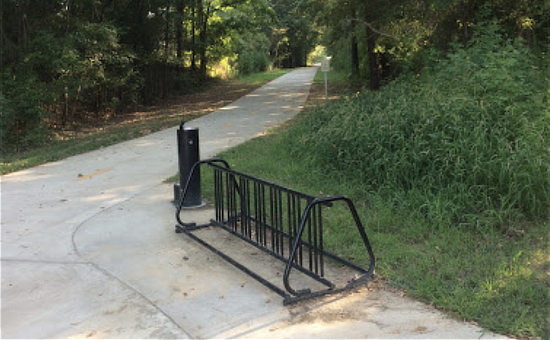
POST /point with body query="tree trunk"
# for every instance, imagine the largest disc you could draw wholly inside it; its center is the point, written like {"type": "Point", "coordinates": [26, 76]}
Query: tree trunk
{"type": "Point", "coordinates": [65, 107]}
{"type": "Point", "coordinates": [354, 55]}
{"type": "Point", "coordinates": [354, 46]}
{"type": "Point", "coordinates": [179, 36]}
{"type": "Point", "coordinates": [374, 81]}
{"type": "Point", "coordinates": [203, 43]}
{"type": "Point", "coordinates": [193, 35]}
{"type": "Point", "coordinates": [166, 31]}
{"type": "Point", "coordinates": [21, 27]}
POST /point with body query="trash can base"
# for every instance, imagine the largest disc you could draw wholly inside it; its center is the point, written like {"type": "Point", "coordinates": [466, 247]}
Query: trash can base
{"type": "Point", "coordinates": [186, 205]}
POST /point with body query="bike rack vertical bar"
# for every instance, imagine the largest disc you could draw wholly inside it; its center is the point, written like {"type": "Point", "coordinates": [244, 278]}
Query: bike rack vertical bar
{"type": "Point", "coordinates": [241, 206]}
{"type": "Point", "coordinates": [310, 253]}
{"type": "Point", "coordinates": [249, 211]}
{"type": "Point", "coordinates": [230, 216]}
{"type": "Point", "coordinates": [289, 220]}
{"type": "Point", "coordinates": [281, 225]}
{"type": "Point", "coordinates": [278, 227]}
{"type": "Point", "coordinates": [246, 205]}
{"type": "Point", "coordinates": [260, 213]}
{"type": "Point", "coordinates": [294, 216]}
{"type": "Point", "coordinates": [299, 215]}
{"type": "Point", "coordinates": [235, 201]}
{"type": "Point", "coordinates": [266, 213]}
{"type": "Point", "coordinates": [229, 202]}
{"type": "Point", "coordinates": [321, 262]}
{"type": "Point", "coordinates": [276, 218]}
{"type": "Point", "coordinates": [231, 196]}
{"type": "Point", "coordinates": [315, 248]}
{"type": "Point", "coordinates": [222, 196]}
{"type": "Point", "coordinates": [216, 193]}
{"type": "Point", "coordinates": [272, 220]}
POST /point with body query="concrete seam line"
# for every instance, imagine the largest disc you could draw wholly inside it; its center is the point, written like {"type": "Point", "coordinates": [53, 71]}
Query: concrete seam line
{"type": "Point", "coordinates": [127, 285]}
{"type": "Point", "coordinates": [43, 261]}
{"type": "Point", "coordinates": [73, 242]}
{"type": "Point", "coordinates": [106, 272]}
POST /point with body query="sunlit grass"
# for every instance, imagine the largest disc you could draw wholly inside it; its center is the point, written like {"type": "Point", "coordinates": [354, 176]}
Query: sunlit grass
{"type": "Point", "coordinates": [333, 75]}
{"type": "Point", "coordinates": [263, 77]}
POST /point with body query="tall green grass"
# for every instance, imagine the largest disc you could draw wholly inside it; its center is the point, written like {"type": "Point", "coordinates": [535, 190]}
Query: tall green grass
{"type": "Point", "coordinates": [467, 141]}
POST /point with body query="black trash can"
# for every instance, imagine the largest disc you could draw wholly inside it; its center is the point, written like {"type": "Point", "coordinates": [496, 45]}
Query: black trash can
{"type": "Point", "coordinates": [188, 154]}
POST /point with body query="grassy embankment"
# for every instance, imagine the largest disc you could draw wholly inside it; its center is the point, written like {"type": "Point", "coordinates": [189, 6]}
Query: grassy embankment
{"type": "Point", "coordinates": [93, 135]}
{"type": "Point", "coordinates": [450, 170]}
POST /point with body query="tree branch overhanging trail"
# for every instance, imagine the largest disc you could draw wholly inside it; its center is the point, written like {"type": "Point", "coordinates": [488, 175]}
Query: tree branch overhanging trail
{"type": "Point", "coordinates": [372, 28]}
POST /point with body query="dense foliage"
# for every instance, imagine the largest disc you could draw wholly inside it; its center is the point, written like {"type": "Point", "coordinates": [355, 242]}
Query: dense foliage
{"type": "Point", "coordinates": [376, 40]}
{"type": "Point", "coordinates": [466, 141]}
{"type": "Point", "coordinates": [74, 60]}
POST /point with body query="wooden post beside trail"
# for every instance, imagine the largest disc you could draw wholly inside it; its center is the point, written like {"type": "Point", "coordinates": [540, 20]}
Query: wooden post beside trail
{"type": "Point", "coordinates": [325, 67]}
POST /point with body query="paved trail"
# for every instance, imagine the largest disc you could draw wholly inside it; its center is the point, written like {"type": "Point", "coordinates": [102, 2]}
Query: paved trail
{"type": "Point", "coordinates": [88, 250]}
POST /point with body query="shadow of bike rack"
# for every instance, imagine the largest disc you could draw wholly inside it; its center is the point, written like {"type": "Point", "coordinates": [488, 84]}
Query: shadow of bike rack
{"type": "Point", "coordinates": [281, 222]}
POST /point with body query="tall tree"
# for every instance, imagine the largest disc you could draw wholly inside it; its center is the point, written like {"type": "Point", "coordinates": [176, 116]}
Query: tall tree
{"type": "Point", "coordinates": [180, 8]}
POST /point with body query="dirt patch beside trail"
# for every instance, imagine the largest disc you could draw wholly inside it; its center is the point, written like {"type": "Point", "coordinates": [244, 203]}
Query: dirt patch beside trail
{"type": "Point", "coordinates": [216, 95]}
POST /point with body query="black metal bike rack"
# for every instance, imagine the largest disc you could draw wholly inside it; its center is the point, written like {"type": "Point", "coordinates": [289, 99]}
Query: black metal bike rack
{"type": "Point", "coordinates": [284, 223]}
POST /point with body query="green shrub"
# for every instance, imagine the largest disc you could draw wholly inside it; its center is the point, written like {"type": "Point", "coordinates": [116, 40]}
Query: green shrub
{"type": "Point", "coordinates": [467, 141]}
{"type": "Point", "coordinates": [251, 62]}
{"type": "Point", "coordinates": [253, 50]}
{"type": "Point", "coordinates": [21, 113]}
{"type": "Point", "coordinates": [88, 66]}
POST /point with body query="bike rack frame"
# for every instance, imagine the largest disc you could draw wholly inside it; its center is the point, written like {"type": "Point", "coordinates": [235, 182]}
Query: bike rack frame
{"type": "Point", "coordinates": [270, 217]}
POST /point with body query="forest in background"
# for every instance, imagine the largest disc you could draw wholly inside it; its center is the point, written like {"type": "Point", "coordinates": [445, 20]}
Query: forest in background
{"type": "Point", "coordinates": [77, 60]}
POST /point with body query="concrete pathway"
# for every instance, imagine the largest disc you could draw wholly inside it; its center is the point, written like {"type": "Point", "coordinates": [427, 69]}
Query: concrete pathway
{"type": "Point", "coordinates": [88, 250]}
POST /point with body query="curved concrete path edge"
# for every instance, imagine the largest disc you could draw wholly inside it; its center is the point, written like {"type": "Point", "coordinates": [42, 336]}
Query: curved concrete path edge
{"type": "Point", "coordinates": [88, 250]}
